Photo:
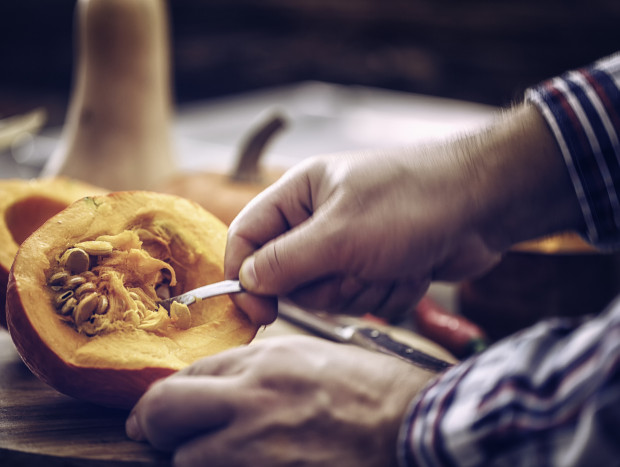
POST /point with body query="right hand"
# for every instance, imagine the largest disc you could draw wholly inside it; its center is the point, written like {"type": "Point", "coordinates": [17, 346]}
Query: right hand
{"type": "Point", "coordinates": [358, 233]}
{"type": "Point", "coordinates": [367, 232]}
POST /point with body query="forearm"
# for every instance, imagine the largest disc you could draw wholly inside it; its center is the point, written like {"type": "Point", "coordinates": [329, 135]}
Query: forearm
{"type": "Point", "coordinates": [522, 188]}
{"type": "Point", "coordinates": [553, 404]}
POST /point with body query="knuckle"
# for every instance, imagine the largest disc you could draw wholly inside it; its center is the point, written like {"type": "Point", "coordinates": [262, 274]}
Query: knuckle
{"type": "Point", "coordinates": [153, 413]}
{"type": "Point", "coordinates": [272, 257]}
{"type": "Point", "coordinates": [268, 267]}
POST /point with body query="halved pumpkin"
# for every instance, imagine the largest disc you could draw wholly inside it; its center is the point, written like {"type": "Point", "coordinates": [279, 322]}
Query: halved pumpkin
{"type": "Point", "coordinates": [24, 206]}
{"type": "Point", "coordinates": [83, 290]}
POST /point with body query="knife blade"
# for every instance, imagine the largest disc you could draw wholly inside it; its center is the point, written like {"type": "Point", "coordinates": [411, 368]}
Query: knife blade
{"type": "Point", "coordinates": [362, 336]}
{"type": "Point", "coordinates": [201, 293]}
{"type": "Point", "coordinates": [322, 325]}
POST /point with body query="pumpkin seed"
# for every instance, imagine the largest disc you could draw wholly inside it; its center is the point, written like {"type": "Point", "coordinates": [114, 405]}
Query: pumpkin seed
{"type": "Point", "coordinates": [68, 307]}
{"type": "Point", "coordinates": [87, 287]}
{"type": "Point", "coordinates": [76, 260]}
{"type": "Point", "coordinates": [85, 308]}
{"type": "Point", "coordinates": [58, 278]}
{"type": "Point", "coordinates": [89, 276]}
{"type": "Point", "coordinates": [62, 298]}
{"type": "Point", "coordinates": [96, 247]}
{"type": "Point", "coordinates": [102, 305]}
{"type": "Point", "coordinates": [74, 282]}
{"type": "Point", "coordinates": [181, 316]}
{"type": "Point", "coordinates": [134, 296]}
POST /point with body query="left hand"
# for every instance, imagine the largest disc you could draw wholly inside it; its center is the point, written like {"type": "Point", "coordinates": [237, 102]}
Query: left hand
{"type": "Point", "coordinates": [282, 401]}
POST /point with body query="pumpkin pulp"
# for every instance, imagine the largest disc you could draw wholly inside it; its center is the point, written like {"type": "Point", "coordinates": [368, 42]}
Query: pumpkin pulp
{"type": "Point", "coordinates": [156, 239]}
{"type": "Point", "coordinates": [24, 206]}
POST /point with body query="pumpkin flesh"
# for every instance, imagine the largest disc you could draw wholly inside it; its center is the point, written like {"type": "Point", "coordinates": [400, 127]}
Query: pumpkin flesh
{"type": "Point", "coordinates": [111, 358]}
{"type": "Point", "coordinates": [24, 206]}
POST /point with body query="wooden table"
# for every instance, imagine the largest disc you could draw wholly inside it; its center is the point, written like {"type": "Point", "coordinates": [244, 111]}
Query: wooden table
{"type": "Point", "coordinates": [39, 426]}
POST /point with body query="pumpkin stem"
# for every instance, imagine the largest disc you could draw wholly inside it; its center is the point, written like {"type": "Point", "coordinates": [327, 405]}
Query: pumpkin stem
{"type": "Point", "coordinates": [247, 168]}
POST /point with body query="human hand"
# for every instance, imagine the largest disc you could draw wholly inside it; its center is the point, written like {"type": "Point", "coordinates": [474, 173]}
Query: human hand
{"type": "Point", "coordinates": [362, 233]}
{"type": "Point", "coordinates": [358, 233]}
{"type": "Point", "coordinates": [283, 401]}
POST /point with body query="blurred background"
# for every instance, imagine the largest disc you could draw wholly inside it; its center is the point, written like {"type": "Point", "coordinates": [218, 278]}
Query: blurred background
{"type": "Point", "coordinates": [481, 51]}
{"type": "Point", "coordinates": [347, 75]}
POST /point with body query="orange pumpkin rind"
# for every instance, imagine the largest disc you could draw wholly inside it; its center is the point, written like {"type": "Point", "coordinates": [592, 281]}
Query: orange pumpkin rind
{"type": "Point", "coordinates": [113, 365]}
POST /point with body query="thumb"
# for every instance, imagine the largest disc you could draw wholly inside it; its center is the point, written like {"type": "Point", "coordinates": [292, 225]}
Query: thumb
{"type": "Point", "coordinates": [296, 258]}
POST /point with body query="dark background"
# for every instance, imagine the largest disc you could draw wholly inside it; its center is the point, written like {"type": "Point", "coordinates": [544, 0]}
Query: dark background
{"type": "Point", "coordinates": [482, 51]}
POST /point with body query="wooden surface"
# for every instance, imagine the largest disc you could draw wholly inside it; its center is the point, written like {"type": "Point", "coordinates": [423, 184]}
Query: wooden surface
{"type": "Point", "coordinates": [39, 426]}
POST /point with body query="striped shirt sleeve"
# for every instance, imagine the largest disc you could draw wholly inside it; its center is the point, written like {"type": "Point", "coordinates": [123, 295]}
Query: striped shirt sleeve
{"type": "Point", "coordinates": [582, 108]}
{"type": "Point", "coordinates": [558, 403]}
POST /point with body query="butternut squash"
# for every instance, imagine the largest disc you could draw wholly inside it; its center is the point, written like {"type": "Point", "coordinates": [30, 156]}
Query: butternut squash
{"type": "Point", "coordinates": [117, 132]}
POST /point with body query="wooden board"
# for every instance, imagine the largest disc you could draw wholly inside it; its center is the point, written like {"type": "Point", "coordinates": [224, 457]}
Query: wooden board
{"type": "Point", "coordinates": [39, 426]}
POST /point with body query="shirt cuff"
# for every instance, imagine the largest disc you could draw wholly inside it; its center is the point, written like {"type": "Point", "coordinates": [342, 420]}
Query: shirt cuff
{"type": "Point", "coordinates": [582, 109]}
{"type": "Point", "coordinates": [556, 404]}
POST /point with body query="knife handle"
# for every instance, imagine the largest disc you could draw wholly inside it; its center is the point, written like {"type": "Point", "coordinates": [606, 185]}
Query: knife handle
{"type": "Point", "coordinates": [374, 339]}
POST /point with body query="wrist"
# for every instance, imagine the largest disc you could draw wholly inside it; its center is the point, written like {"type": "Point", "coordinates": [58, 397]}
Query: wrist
{"type": "Point", "coordinates": [524, 189]}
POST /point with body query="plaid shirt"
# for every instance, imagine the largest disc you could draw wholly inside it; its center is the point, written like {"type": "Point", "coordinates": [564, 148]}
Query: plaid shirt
{"type": "Point", "coordinates": [558, 403]}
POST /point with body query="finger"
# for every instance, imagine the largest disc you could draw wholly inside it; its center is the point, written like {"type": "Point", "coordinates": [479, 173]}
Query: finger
{"type": "Point", "coordinates": [248, 231]}
{"type": "Point", "coordinates": [260, 310]}
{"type": "Point", "coordinates": [175, 409]}
{"type": "Point", "coordinates": [370, 299]}
{"type": "Point", "coordinates": [400, 300]}
{"type": "Point", "coordinates": [313, 250]}
{"type": "Point", "coordinates": [333, 293]}
{"type": "Point", "coordinates": [281, 206]}
{"type": "Point", "coordinates": [355, 297]}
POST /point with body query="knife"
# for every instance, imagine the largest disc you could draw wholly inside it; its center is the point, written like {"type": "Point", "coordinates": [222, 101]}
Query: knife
{"type": "Point", "coordinates": [323, 325]}
{"type": "Point", "coordinates": [362, 336]}
{"type": "Point", "coordinates": [212, 290]}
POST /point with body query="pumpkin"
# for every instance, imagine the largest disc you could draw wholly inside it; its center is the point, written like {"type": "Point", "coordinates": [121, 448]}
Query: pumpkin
{"type": "Point", "coordinates": [225, 195]}
{"type": "Point", "coordinates": [559, 275]}
{"type": "Point", "coordinates": [24, 206]}
{"type": "Point", "coordinates": [117, 132]}
{"type": "Point", "coordinates": [83, 290]}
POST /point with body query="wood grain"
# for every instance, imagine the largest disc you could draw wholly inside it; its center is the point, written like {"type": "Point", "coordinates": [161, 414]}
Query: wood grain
{"type": "Point", "coordinates": [39, 426]}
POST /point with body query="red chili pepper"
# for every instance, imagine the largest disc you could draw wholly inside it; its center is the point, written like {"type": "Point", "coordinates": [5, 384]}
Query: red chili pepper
{"type": "Point", "coordinates": [375, 319]}
{"type": "Point", "coordinates": [454, 332]}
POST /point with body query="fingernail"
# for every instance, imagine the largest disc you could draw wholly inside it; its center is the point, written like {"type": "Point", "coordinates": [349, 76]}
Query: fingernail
{"type": "Point", "coordinates": [247, 274]}
{"type": "Point", "coordinates": [133, 429]}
